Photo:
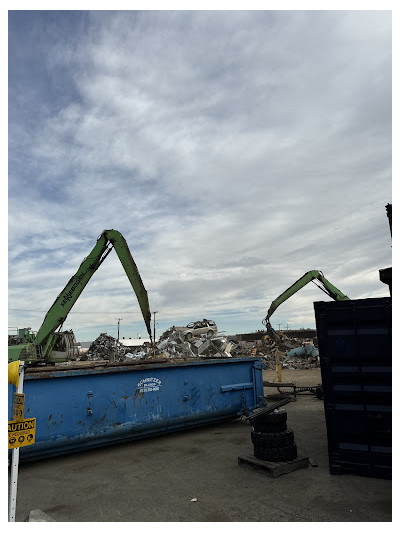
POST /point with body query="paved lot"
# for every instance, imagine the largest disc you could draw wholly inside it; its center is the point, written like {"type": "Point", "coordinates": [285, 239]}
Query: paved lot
{"type": "Point", "coordinates": [155, 479]}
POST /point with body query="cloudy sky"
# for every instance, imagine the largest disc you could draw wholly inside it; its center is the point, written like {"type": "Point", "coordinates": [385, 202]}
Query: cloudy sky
{"type": "Point", "coordinates": [234, 150]}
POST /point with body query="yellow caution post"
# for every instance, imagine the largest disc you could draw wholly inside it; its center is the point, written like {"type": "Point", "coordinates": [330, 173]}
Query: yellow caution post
{"type": "Point", "coordinates": [13, 373]}
{"type": "Point", "coordinates": [18, 406]}
{"type": "Point", "coordinates": [278, 366]}
{"type": "Point", "coordinates": [21, 432]}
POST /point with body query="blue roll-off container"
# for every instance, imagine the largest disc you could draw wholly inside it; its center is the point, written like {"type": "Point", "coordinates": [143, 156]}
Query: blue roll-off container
{"type": "Point", "coordinates": [79, 407]}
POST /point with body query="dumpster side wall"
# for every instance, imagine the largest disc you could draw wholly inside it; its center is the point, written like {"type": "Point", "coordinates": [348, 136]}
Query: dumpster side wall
{"type": "Point", "coordinates": [79, 409]}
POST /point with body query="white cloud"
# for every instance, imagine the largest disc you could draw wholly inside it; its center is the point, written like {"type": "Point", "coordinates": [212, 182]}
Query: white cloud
{"type": "Point", "coordinates": [233, 150]}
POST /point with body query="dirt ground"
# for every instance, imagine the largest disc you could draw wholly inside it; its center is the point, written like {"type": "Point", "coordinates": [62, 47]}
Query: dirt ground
{"type": "Point", "coordinates": [302, 378]}
{"type": "Point", "coordinates": [156, 479]}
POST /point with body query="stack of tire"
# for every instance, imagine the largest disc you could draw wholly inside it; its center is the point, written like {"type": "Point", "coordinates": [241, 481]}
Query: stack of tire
{"type": "Point", "coordinates": [271, 438]}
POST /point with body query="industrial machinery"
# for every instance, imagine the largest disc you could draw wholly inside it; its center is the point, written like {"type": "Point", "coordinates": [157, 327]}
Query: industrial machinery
{"type": "Point", "coordinates": [324, 285]}
{"type": "Point", "coordinates": [312, 275]}
{"type": "Point", "coordinates": [23, 346]}
{"type": "Point", "coordinates": [49, 344]}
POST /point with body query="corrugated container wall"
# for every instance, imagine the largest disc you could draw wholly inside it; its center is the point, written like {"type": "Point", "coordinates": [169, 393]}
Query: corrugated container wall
{"type": "Point", "coordinates": [355, 347]}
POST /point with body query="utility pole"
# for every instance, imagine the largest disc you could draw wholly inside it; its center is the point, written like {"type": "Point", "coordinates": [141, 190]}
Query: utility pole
{"type": "Point", "coordinates": [154, 325]}
{"type": "Point", "coordinates": [154, 332]}
{"type": "Point", "coordinates": [279, 327]}
{"type": "Point", "coordinates": [112, 356]}
{"type": "Point", "coordinates": [119, 320]}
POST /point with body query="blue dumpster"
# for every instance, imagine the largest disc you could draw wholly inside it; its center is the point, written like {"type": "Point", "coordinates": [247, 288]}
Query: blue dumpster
{"type": "Point", "coordinates": [96, 404]}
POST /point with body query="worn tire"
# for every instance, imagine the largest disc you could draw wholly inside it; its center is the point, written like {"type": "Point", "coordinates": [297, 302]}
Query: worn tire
{"type": "Point", "coordinates": [270, 422]}
{"type": "Point", "coordinates": [261, 427]}
{"type": "Point", "coordinates": [276, 455]}
{"type": "Point", "coordinates": [274, 417]}
{"type": "Point", "coordinates": [273, 440]}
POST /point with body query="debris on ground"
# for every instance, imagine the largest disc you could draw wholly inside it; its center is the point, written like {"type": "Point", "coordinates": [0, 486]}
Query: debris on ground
{"type": "Point", "coordinates": [294, 353]}
{"type": "Point", "coordinates": [173, 343]}
{"type": "Point", "coordinates": [105, 347]}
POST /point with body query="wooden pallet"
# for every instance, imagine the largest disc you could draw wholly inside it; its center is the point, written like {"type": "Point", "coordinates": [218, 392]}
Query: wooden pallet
{"type": "Point", "coordinates": [275, 469]}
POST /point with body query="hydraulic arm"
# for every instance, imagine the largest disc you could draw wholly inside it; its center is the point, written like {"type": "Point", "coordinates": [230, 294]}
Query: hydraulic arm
{"type": "Point", "coordinates": [64, 302]}
{"type": "Point", "coordinates": [312, 275]}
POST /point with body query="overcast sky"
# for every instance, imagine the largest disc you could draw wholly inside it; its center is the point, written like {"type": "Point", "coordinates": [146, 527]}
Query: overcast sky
{"type": "Point", "coordinates": [234, 151]}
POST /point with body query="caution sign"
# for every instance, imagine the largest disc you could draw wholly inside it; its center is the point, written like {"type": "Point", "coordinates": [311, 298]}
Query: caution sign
{"type": "Point", "coordinates": [21, 432]}
{"type": "Point", "coordinates": [18, 406]}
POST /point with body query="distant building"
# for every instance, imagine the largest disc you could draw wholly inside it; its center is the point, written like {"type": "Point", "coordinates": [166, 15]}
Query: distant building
{"type": "Point", "coordinates": [133, 342]}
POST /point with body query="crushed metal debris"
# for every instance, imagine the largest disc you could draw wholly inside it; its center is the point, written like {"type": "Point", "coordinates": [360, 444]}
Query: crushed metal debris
{"type": "Point", "coordinates": [105, 347]}
{"type": "Point", "coordinates": [294, 353]}
{"type": "Point", "coordinates": [172, 344]}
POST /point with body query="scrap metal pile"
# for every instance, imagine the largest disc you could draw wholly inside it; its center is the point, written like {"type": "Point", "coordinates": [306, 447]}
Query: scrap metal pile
{"type": "Point", "coordinates": [294, 353]}
{"type": "Point", "coordinates": [105, 347]}
{"type": "Point", "coordinates": [173, 344]}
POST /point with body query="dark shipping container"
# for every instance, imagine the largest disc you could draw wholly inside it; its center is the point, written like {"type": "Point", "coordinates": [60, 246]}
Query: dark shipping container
{"type": "Point", "coordinates": [355, 348]}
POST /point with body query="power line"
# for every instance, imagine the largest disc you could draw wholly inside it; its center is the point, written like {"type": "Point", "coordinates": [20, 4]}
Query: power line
{"type": "Point", "coordinates": [81, 312]}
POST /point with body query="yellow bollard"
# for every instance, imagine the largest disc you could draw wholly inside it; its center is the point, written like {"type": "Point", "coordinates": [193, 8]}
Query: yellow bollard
{"type": "Point", "coordinates": [278, 367]}
{"type": "Point", "coordinates": [13, 373]}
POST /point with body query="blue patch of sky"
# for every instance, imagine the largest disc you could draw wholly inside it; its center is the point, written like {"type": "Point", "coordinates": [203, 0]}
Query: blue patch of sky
{"type": "Point", "coordinates": [53, 191]}
{"type": "Point", "coordinates": [26, 181]}
{"type": "Point", "coordinates": [163, 201]}
{"type": "Point", "coordinates": [39, 86]}
{"type": "Point", "coordinates": [33, 37]}
{"type": "Point", "coordinates": [33, 253]}
{"type": "Point", "coordinates": [50, 257]}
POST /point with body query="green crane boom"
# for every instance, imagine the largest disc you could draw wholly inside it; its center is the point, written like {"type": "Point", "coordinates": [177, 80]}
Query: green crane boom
{"type": "Point", "coordinates": [57, 314]}
{"type": "Point", "coordinates": [312, 275]}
